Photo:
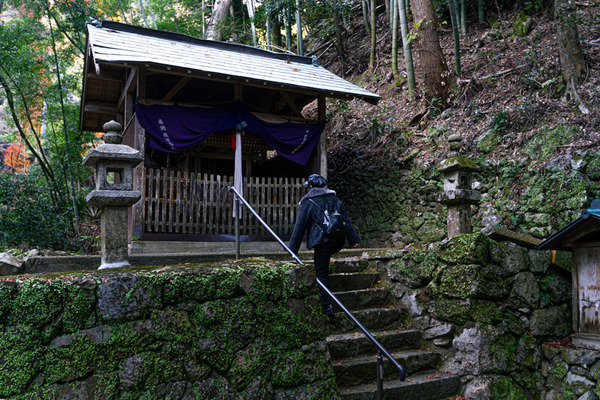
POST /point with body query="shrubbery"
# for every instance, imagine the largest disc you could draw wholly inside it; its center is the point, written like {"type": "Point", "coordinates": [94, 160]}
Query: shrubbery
{"type": "Point", "coordinates": [28, 215]}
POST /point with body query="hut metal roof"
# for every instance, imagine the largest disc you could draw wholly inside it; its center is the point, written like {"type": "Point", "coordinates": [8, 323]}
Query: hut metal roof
{"type": "Point", "coordinates": [585, 229]}
{"type": "Point", "coordinates": [114, 42]}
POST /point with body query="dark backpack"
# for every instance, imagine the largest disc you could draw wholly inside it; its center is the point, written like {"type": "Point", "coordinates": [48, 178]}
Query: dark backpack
{"type": "Point", "coordinates": [333, 221]}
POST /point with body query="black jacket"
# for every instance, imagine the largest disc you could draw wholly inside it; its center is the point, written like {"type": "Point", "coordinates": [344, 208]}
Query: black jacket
{"type": "Point", "coordinates": [310, 216]}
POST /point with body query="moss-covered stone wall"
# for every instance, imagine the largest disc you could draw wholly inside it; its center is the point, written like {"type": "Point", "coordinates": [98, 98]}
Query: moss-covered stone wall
{"type": "Point", "coordinates": [238, 330]}
{"type": "Point", "coordinates": [394, 202]}
{"type": "Point", "coordinates": [491, 308]}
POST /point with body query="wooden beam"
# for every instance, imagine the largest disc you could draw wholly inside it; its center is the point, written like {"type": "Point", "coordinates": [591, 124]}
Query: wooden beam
{"type": "Point", "coordinates": [106, 76]}
{"type": "Point", "coordinates": [126, 89]}
{"type": "Point", "coordinates": [322, 108]}
{"type": "Point", "coordinates": [101, 108]}
{"type": "Point", "coordinates": [141, 86]}
{"type": "Point", "coordinates": [229, 79]}
{"type": "Point", "coordinates": [237, 92]}
{"type": "Point", "coordinates": [178, 86]}
{"type": "Point", "coordinates": [290, 102]}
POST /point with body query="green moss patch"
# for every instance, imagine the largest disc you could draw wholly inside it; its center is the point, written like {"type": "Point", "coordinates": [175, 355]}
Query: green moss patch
{"type": "Point", "coordinates": [466, 249]}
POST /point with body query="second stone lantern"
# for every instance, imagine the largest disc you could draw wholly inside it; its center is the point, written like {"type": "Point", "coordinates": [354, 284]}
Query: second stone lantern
{"type": "Point", "coordinates": [458, 195]}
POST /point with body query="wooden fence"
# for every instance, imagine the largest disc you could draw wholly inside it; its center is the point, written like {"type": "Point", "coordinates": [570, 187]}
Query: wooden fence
{"type": "Point", "coordinates": [190, 203]}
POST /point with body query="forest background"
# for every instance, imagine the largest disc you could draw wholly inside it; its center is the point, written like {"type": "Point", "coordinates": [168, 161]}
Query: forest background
{"type": "Point", "coordinates": [517, 80]}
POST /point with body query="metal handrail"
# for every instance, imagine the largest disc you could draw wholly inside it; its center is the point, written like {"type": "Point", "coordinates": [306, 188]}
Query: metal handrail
{"type": "Point", "coordinates": [381, 350]}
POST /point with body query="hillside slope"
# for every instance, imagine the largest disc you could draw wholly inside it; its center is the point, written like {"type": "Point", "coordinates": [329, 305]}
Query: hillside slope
{"type": "Point", "coordinates": [537, 151]}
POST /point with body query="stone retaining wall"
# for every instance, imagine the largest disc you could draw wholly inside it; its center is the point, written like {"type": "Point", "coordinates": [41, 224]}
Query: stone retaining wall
{"type": "Point", "coordinates": [570, 372]}
{"type": "Point", "coordinates": [248, 330]}
{"type": "Point", "coordinates": [491, 308]}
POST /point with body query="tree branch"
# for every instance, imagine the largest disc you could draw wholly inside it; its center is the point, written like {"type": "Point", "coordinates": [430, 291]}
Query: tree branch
{"type": "Point", "coordinates": [9, 97]}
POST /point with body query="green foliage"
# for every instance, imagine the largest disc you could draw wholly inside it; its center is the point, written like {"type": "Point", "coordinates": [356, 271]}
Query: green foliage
{"type": "Point", "coordinates": [535, 5]}
{"type": "Point", "coordinates": [42, 114]}
{"type": "Point", "coordinates": [21, 354]}
{"type": "Point", "coordinates": [28, 215]}
{"type": "Point", "coordinates": [545, 294]}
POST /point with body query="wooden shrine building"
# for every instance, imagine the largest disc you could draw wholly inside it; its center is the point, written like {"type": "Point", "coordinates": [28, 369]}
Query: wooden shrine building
{"type": "Point", "coordinates": [186, 104]}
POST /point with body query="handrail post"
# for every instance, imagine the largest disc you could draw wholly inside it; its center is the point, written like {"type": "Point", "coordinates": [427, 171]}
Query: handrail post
{"type": "Point", "coordinates": [379, 376]}
{"type": "Point", "coordinates": [244, 202]}
{"type": "Point", "coordinates": [236, 205]}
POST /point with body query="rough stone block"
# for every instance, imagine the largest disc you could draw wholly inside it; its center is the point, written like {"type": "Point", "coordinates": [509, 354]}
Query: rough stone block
{"type": "Point", "coordinates": [553, 321]}
{"type": "Point", "coordinates": [10, 265]}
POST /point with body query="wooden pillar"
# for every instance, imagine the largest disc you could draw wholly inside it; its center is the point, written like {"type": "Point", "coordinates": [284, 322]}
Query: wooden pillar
{"type": "Point", "coordinates": [137, 214]}
{"type": "Point", "coordinates": [317, 163]}
{"type": "Point", "coordinates": [322, 146]}
{"type": "Point", "coordinates": [237, 92]}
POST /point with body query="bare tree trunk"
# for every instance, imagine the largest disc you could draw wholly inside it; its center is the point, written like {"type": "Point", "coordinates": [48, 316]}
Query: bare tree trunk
{"type": "Point", "coordinates": [395, 37]}
{"type": "Point", "coordinates": [122, 12]}
{"type": "Point", "coordinates": [434, 69]}
{"type": "Point", "coordinates": [410, 70]}
{"type": "Point", "coordinates": [288, 25]}
{"type": "Point", "coordinates": [64, 117]}
{"type": "Point", "coordinates": [203, 19]}
{"type": "Point", "coordinates": [250, 6]}
{"type": "Point", "coordinates": [299, 28]}
{"type": "Point", "coordinates": [275, 27]}
{"type": "Point", "coordinates": [365, 12]}
{"type": "Point", "coordinates": [463, 17]}
{"type": "Point", "coordinates": [572, 63]}
{"type": "Point", "coordinates": [454, 19]}
{"type": "Point", "coordinates": [339, 41]}
{"type": "Point", "coordinates": [151, 14]}
{"type": "Point", "coordinates": [373, 34]}
{"type": "Point", "coordinates": [143, 13]}
{"type": "Point", "coordinates": [217, 18]}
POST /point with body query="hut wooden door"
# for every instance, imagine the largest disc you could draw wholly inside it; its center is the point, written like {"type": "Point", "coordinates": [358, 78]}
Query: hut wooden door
{"type": "Point", "coordinates": [586, 290]}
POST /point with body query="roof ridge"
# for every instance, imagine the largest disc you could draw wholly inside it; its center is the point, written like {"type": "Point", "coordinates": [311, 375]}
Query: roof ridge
{"type": "Point", "coordinates": [182, 37]}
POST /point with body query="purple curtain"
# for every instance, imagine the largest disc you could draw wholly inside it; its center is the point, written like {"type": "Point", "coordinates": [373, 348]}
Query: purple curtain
{"type": "Point", "coordinates": [175, 129]}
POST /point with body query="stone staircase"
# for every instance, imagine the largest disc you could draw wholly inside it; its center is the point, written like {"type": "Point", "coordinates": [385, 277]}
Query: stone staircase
{"type": "Point", "coordinates": [364, 292]}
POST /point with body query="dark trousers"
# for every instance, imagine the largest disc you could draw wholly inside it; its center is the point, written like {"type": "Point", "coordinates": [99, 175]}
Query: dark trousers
{"type": "Point", "coordinates": [323, 253]}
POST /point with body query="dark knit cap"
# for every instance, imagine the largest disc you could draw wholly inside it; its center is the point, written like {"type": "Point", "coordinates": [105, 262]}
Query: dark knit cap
{"type": "Point", "coordinates": [316, 180]}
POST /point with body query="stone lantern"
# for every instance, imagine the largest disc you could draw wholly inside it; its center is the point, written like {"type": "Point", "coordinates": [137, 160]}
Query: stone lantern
{"type": "Point", "coordinates": [582, 238]}
{"type": "Point", "coordinates": [458, 195]}
{"type": "Point", "coordinates": [114, 163]}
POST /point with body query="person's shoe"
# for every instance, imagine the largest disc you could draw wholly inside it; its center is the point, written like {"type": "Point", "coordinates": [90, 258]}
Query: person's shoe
{"type": "Point", "coordinates": [328, 310]}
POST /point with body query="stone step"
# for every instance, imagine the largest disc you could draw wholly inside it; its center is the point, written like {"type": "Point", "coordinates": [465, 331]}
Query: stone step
{"type": "Point", "coordinates": [349, 265]}
{"type": "Point", "coordinates": [433, 386]}
{"type": "Point", "coordinates": [365, 298]}
{"type": "Point", "coordinates": [363, 370]}
{"type": "Point", "coordinates": [353, 281]}
{"type": "Point", "coordinates": [345, 345]}
{"type": "Point", "coordinates": [374, 319]}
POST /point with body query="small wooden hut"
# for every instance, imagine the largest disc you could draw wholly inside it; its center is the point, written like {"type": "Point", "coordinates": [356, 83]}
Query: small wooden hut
{"type": "Point", "coordinates": [187, 104]}
{"type": "Point", "coordinates": [582, 238]}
